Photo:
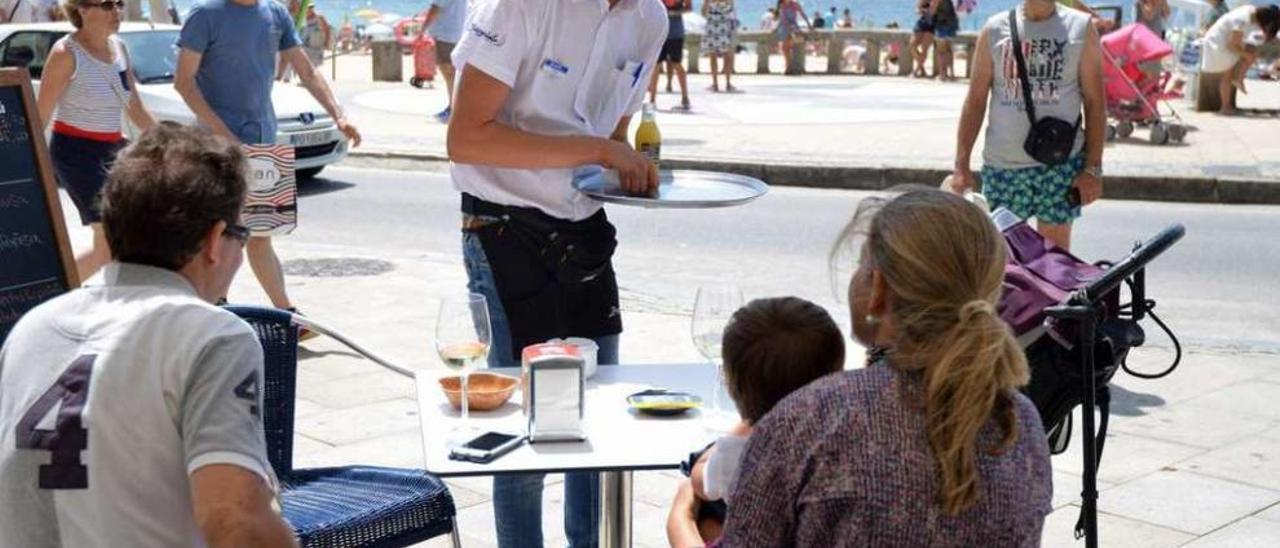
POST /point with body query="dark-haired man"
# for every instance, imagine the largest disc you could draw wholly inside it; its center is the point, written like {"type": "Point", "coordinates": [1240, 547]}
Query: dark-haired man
{"type": "Point", "coordinates": [129, 408]}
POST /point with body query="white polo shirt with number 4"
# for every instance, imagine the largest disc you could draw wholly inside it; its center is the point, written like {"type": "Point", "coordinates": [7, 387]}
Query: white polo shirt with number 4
{"type": "Point", "coordinates": [110, 397]}
{"type": "Point", "coordinates": [575, 67]}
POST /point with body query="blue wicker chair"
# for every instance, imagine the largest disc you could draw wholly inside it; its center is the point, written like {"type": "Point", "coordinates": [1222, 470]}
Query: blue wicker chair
{"type": "Point", "coordinates": [347, 506]}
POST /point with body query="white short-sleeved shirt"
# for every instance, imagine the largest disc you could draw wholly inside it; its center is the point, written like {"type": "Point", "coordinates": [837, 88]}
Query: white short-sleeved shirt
{"type": "Point", "coordinates": [575, 67]}
{"type": "Point", "coordinates": [110, 397]}
{"type": "Point", "coordinates": [721, 474]}
{"type": "Point", "coordinates": [1217, 55]}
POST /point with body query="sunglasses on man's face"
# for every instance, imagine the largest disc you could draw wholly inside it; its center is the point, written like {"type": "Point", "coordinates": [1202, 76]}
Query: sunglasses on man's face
{"type": "Point", "coordinates": [109, 5]}
{"type": "Point", "coordinates": [238, 232]}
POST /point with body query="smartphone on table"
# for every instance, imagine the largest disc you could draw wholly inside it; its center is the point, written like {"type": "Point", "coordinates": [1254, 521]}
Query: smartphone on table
{"type": "Point", "coordinates": [487, 447]}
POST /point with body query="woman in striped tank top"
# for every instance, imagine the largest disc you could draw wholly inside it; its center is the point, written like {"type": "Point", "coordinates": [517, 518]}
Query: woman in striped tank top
{"type": "Point", "coordinates": [86, 85]}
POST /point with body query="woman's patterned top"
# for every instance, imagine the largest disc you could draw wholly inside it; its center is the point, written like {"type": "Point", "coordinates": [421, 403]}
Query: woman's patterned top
{"type": "Point", "coordinates": [845, 461]}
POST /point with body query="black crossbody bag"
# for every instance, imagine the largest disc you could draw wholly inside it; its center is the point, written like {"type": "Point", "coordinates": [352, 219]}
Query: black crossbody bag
{"type": "Point", "coordinates": [1050, 140]}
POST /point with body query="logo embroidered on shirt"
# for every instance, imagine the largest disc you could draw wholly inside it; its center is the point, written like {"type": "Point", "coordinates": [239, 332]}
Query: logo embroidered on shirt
{"type": "Point", "coordinates": [489, 36]}
{"type": "Point", "coordinates": [555, 66]}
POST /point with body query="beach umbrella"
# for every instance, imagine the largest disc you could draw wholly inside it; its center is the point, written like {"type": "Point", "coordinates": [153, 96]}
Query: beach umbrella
{"type": "Point", "coordinates": [378, 29]}
{"type": "Point", "coordinates": [369, 14]}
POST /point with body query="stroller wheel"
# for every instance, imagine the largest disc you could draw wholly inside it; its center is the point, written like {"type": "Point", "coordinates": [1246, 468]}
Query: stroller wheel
{"type": "Point", "coordinates": [1111, 132]}
{"type": "Point", "coordinates": [415, 82]}
{"type": "Point", "coordinates": [1177, 132]}
{"type": "Point", "coordinates": [1159, 134]}
{"type": "Point", "coordinates": [1124, 129]}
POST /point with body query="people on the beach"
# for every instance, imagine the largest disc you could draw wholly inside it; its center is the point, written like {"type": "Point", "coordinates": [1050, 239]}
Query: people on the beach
{"type": "Point", "coordinates": [317, 34]}
{"type": "Point", "coordinates": [445, 20]}
{"type": "Point", "coordinates": [769, 21]}
{"type": "Point", "coordinates": [1154, 14]}
{"type": "Point", "coordinates": [720, 40]}
{"type": "Point", "coordinates": [1218, 9]}
{"type": "Point", "coordinates": [346, 37]}
{"type": "Point", "coordinates": [151, 394]}
{"type": "Point", "coordinates": [226, 68]}
{"type": "Point", "coordinates": [1063, 61]}
{"type": "Point", "coordinates": [672, 55]}
{"type": "Point", "coordinates": [1226, 55]}
{"type": "Point", "coordinates": [523, 121]}
{"type": "Point", "coordinates": [86, 84]}
{"type": "Point", "coordinates": [893, 53]}
{"type": "Point", "coordinates": [790, 12]}
{"type": "Point", "coordinates": [846, 20]}
{"type": "Point", "coordinates": [933, 432]}
{"type": "Point", "coordinates": [30, 11]}
{"type": "Point", "coordinates": [946, 24]}
{"type": "Point", "coordinates": [922, 38]}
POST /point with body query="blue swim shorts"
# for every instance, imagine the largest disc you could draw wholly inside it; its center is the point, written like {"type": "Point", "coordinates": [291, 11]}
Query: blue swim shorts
{"type": "Point", "coordinates": [1039, 192]}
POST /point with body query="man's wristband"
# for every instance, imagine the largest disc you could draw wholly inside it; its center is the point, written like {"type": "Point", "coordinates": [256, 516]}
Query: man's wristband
{"type": "Point", "coordinates": [1094, 171]}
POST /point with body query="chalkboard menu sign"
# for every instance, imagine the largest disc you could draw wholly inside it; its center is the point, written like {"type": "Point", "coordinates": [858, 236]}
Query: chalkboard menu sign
{"type": "Point", "coordinates": [35, 257]}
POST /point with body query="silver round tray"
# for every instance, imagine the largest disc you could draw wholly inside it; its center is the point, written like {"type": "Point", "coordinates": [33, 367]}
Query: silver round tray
{"type": "Point", "coordinates": [680, 188]}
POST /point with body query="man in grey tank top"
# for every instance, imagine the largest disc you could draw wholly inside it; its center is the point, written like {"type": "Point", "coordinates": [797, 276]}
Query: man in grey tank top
{"type": "Point", "coordinates": [1063, 58]}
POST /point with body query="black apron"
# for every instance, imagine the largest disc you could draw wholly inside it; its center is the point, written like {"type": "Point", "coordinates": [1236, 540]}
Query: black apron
{"type": "Point", "coordinates": [555, 277]}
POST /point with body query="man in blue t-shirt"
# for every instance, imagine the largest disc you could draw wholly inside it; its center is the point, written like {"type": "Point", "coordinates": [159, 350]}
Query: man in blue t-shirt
{"type": "Point", "coordinates": [226, 69]}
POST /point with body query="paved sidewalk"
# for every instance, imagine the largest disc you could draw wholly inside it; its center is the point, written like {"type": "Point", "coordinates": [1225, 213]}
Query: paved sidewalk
{"type": "Point", "coordinates": [862, 132]}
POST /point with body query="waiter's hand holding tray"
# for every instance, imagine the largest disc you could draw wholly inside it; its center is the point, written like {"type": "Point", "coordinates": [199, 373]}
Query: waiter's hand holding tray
{"type": "Point", "coordinates": [679, 188]}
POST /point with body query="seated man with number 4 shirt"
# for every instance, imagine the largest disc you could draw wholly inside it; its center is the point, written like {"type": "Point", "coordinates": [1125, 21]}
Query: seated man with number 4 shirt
{"type": "Point", "coordinates": [130, 409]}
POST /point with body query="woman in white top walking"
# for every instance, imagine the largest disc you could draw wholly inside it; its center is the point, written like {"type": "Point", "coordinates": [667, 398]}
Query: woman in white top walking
{"type": "Point", "coordinates": [86, 84]}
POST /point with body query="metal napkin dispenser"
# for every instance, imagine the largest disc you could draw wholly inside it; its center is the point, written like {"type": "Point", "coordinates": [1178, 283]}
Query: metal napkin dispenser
{"type": "Point", "coordinates": [554, 392]}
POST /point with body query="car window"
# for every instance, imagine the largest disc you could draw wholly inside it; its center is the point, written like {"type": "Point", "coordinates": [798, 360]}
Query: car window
{"type": "Point", "coordinates": [154, 54]}
{"type": "Point", "coordinates": [28, 49]}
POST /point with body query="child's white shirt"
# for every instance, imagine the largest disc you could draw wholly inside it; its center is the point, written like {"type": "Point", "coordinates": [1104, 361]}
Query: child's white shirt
{"type": "Point", "coordinates": [722, 467]}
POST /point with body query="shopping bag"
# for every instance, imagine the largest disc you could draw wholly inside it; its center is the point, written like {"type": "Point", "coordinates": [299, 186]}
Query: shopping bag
{"type": "Point", "coordinates": [271, 207]}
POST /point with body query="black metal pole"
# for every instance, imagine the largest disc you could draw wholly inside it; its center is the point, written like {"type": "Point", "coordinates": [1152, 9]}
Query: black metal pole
{"type": "Point", "coordinates": [1082, 313]}
{"type": "Point", "coordinates": [1089, 497]}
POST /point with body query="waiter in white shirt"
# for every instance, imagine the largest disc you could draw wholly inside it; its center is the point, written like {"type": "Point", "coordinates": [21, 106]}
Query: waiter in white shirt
{"type": "Point", "coordinates": [548, 86]}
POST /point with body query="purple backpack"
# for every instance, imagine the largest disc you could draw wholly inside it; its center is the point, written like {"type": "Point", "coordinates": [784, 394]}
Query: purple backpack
{"type": "Point", "coordinates": [1037, 275]}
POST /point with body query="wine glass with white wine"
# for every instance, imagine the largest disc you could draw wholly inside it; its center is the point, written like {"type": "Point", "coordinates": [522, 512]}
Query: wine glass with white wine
{"type": "Point", "coordinates": [712, 309]}
{"type": "Point", "coordinates": [463, 337]}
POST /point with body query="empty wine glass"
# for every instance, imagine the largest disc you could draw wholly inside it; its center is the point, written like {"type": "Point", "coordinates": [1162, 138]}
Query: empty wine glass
{"type": "Point", "coordinates": [712, 309]}
{"type": "Point", "coordinates": [462, 341]}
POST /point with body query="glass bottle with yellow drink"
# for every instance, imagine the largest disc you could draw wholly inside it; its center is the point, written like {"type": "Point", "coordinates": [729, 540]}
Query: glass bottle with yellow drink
{"type": "Point", "coordinates": [648, 138]}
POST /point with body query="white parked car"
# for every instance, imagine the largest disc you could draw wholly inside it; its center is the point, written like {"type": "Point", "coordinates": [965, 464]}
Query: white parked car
{"type": "Point", "coordinates": [302, 122]}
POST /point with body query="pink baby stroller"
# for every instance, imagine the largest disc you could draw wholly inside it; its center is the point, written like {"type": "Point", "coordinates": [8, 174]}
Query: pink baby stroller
{"type": "Point", "coordinates": [1134, 91]}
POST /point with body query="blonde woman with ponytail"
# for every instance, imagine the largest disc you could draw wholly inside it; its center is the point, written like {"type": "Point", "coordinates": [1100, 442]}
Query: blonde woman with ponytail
{"type": "Point", "coordinates": [931, 444]}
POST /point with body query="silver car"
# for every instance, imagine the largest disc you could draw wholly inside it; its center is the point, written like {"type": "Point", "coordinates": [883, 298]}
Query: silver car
{"type": "Point", "coordinates": [303, 123]}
